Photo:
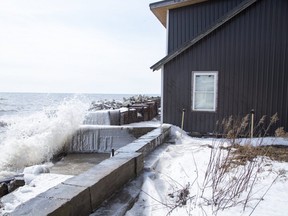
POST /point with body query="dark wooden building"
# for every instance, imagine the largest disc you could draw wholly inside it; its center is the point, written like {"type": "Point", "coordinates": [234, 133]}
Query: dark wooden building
{"type": "Point", "coordinates": [224, 58]}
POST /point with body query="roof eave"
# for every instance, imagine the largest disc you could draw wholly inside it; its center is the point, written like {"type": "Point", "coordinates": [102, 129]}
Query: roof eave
{"type": "Point", "coordinates": [160, 8]}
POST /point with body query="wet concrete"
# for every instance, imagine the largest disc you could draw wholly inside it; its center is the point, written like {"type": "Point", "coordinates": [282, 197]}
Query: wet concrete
{"type": "Point", "coordinates": [74, 164]}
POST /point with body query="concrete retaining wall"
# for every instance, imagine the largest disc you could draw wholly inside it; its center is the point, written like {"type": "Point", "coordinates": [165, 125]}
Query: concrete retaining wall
{"type": "Point", "coordinates": [95, 138]}
{"type": "Point", "coordinates": [84, 193]}
{"type": "Point", "coordinates": [148, 142]}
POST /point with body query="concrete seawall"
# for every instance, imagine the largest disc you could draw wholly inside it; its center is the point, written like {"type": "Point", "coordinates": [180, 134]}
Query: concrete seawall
{"type": "Point", "coordinates": [84, 193]}
{"type": "Point", "coordinates": [99, 138]}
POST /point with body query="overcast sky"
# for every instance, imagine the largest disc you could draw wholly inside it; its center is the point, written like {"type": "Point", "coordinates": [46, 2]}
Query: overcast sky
{"type": "Point", "coordinates": [79, 46]}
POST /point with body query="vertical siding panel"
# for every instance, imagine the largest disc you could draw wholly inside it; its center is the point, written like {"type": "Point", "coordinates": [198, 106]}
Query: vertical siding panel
{"type": "Point", "coordinates": [285, 100]}
{"type": "Point", "coordinates": [249, 66]}
{"type": "Point", "coordinates": [240, 64]}
{"type": "Point", "coordinates": [257, 63]}
{"type": "Point", "coordinates": [261, 88]}
{"type": "Point", "coordinates": [284, 66]}
{"type": "Point", "coordinates": [266, 64]}
{"type": "Point", "coordinates": [256, 52]}
{"type": "Point", "coordinates": [233, 67]}
{"type": "Point", "coordinates": [270, 71]}
{"type": "Point", "coordinates": [274, 67]}
{"type": "Point", "coordinates": [221, 86]}
{"type": "Point", "coordinates": [224, 54]}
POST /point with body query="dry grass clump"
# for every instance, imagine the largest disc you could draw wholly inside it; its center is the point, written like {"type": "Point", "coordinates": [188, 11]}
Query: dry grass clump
{"type": "Point", "coordinates": [242, 154]}
{"type": "Point", "coordinates": [236, 127]}
{"type": "Point", "coordinates": [233, 127]}
{"type": "Point", "coordinates": [280, 132]}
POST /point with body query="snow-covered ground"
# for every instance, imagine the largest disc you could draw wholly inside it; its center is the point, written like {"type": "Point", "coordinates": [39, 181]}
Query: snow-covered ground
{"type": "Point", "coordinates": [178, 171]}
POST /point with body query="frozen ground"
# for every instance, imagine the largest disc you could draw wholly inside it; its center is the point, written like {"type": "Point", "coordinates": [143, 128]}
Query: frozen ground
{"type": "Point", "coordinates": [174, 182]}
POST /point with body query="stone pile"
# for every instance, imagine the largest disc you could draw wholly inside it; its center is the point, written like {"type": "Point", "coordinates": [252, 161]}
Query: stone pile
{"type": "Point", "coordinates": [127, 102]}
{"type": "Point", "coordinates": [10, 184]}
{"type": "Point", "coordinates": [133, 109]}
{"type": "Point", "coordinates": [105, 105]}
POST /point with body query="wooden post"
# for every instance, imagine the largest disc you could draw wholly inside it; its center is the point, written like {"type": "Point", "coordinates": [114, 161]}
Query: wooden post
{"type": "Point", "coordinates": [252, 123]}
{"type": "Point", "coordinates": [182, 122]}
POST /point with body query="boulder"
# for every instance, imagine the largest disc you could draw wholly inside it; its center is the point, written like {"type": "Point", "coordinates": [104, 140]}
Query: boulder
{"type": "Point", "coordinates": [16, 183]}
{"type": "Point", "coordinates": [3, 189]}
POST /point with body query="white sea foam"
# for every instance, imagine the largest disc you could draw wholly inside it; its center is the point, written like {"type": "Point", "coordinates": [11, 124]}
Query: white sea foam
{"type": "Point", "coordinates": [33, 139]}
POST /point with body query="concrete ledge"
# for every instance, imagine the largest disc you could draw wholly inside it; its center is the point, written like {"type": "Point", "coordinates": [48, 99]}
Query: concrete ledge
{"type": "Point", "coordinates": [107, 177]}
{"type": "Point", "coordinates": [121, 201]}
{"type": "Point", "coordinates": [59, 200]}
{"type": "Point", "coordinates": [82, 194]}
{"type": "Point", "coordinates": [148, 142]}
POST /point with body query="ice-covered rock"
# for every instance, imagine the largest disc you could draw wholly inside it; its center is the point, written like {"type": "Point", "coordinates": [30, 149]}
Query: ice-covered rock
{"type": "Point", "coordinates": [31, 172]}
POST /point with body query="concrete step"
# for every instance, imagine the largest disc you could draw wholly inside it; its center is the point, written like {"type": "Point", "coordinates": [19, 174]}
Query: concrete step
{"type": "Point", "coordinates": [122, 200]}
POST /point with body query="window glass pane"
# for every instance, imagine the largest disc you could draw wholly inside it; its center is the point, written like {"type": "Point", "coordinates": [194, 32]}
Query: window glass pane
{"type": "Point", "coordinates": [204, 91]}
{"type": "Point", "coordinates": [204, 100]}
{"type": "Point", "coordinates": [204, 83]}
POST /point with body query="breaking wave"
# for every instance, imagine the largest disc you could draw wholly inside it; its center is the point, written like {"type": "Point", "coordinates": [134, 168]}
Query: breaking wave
{"type": "Point", "coordinates": [33, 139]}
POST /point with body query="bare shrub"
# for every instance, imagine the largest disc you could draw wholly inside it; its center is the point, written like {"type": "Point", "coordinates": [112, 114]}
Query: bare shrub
{"type": "Point", "coordinates": [226, 180]}
{"type": "Point", "coordinates": [181, 195]}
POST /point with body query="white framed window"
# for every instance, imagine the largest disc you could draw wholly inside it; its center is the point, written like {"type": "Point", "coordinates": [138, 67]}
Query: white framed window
{"type": "Point", "coordinates": [204, 90]}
